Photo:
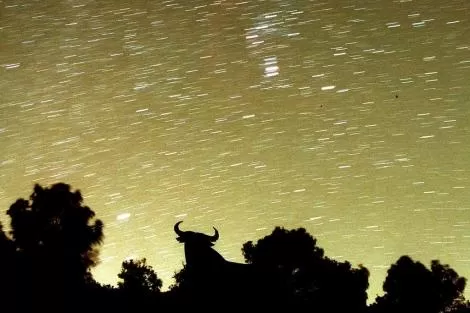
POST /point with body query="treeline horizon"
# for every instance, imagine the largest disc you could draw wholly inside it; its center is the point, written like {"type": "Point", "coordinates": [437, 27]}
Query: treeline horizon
{"type": "Point", "coordinates": [54, 242]}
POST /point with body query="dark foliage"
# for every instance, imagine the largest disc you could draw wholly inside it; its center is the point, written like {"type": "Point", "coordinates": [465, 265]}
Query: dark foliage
{"type": "Point", "coordinates": [411, 287]}
{"type": "Point", "coordinates": [283, 248]}
{"type": "Point", "coordinates": [55, 245]}
{"type": "Point", "coordinates": [139, 286]}
{"type": "Point", "coordinates": [180, 278]}
{"type": "Point", "coordinates": [45, 264]}
{"type": "Point", "coordinates": [310, 279]}
{"type": "Point", "coordinates": [139, 278]}
{"type": "Point", "coordinates": [7, 265]}
{"type": "Point", "coordinates": [54, 225]}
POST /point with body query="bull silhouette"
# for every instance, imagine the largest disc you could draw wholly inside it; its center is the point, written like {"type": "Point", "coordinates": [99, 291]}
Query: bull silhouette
{"type": "Point", "coordinates": [198, 249]}
{"type": "Point", "coordinates": [203, 260]}
{"type": "Point", "coordinates": [209, 276]}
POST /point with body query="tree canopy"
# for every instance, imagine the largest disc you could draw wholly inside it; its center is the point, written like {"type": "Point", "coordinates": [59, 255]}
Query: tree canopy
{"type": "Point", "coordinates": [46, 261]}
{"type": "Point", "coordinates": [137, 277]}
{"type": "Point", "coordinates": [55, 239]}
{"type": "Point", "coordinates": [55, 225]}
{"type": "Point", "coordinates": [411, 287]}
{"type": "Point", "coordinates": [312, 279]}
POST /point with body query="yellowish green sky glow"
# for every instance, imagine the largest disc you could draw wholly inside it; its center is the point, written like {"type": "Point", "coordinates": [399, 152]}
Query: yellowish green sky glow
{"type": "Point", "coordinates": [349, 118]}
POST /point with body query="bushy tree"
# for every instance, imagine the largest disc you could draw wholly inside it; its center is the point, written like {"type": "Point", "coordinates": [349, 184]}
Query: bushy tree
{"type": "Point", "coordinates": [56, 239]}
{"type": "Point", "coordinates": [283, 248]}
{"type": "Point", "coordinates": [411, 287]}
{"type": "Point", "coordinates": [313, 281]}
{"type": "Point", "coordinates": [138, 278]}
{"type": "Point", "coordinates": [180, 278]}
{"type": "Point", "coordinates": [7, 248]}
{"type": "Point", "coordinates": [54, 223]}
{"type": "Point", "coordinates": [7, 264]}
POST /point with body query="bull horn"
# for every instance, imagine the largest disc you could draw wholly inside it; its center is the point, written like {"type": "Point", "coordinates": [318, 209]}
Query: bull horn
{"type": "Point", "coordinates": [177, 229]}
{"type": "Point", "coordinates": [216, 235]}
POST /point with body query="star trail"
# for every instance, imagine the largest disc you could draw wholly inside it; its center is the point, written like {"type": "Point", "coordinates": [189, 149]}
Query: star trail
{"type": "Point", "coordinates": [348, 118]}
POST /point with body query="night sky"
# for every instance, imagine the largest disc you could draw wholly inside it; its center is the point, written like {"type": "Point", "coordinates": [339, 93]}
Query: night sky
{"type": "Point", "coordinates": [349, 118]}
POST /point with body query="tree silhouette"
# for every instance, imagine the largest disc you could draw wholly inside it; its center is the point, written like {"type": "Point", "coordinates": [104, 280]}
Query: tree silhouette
{"type": "Point", "coordinates": [411, 287]}
{"type": "Point", "coordinates": [283, 248]}
{"type": "Point", "coordinates": [55, 243]}
{"type": "Point", "coordinates": [7, 249]}
{"type": "Point", "coordinates": [139, 286]}
{"type": "Point", "coordinates": [139, 278]}
{"type": "Point", "coordinates": [312, 280]}
{"type": "Point", "coordinates": [181, 293]}
{"type": "Point", "coordinates": [461, 307]}
{"type": "Point", "coordinates": [180, 277]}
{"type": "Point", "coordinates": [46, 258]}
{"type": "Point", "coordinates": [7, 274]}
{"type": "Point", "coordinates": [55, 221]}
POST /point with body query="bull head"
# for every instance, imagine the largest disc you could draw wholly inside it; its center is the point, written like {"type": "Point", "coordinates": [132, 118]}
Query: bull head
{"type": "Point", "coordinates": [186, 236]}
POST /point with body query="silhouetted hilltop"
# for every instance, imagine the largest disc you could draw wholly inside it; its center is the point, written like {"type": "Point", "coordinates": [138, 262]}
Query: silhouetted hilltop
{"type": "Point", "coordinates": [55, 239]}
